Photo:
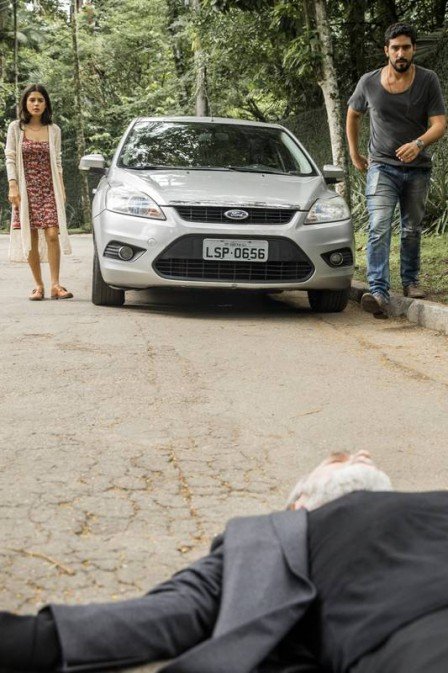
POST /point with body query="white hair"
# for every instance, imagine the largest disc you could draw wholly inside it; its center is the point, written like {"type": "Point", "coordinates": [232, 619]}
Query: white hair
{"type": "Point", "coordinates": [355, 477]}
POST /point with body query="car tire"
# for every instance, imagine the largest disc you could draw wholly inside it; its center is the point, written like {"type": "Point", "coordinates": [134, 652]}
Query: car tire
{"type": "Point", "coordinates": [102, 294]}
{"type": "Point", "coordinates": [328, 301]}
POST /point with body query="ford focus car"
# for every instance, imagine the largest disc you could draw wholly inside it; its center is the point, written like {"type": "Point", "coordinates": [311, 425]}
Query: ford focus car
{"type": "Point", "coordinates": [218, 203]}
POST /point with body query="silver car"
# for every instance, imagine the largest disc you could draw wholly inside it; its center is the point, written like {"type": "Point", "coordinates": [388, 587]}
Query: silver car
{"type": "Point", "coordinates": [218, 203]}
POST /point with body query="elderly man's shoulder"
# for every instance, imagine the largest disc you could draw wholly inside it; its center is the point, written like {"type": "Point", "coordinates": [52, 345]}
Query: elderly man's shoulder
{"type": "Point", "coordinates": [369, 502]}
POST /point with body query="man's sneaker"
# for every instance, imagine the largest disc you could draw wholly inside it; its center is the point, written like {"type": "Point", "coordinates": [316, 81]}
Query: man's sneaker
{"type": "Point", "coordinates": [414, 291]}
{"type": "Point", "coordinates": [375, 303]}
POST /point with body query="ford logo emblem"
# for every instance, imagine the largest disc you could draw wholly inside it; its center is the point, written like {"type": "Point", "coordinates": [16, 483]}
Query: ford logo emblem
{"type": "Point", "coordinates": [236, 214]}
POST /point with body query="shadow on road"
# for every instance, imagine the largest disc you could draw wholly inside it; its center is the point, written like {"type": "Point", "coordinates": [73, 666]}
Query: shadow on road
{"type": "Point", "coordinates": [212, 303]}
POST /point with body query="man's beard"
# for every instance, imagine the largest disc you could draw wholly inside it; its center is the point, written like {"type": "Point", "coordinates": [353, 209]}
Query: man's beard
{"type": "Point", "coordinates": [356, 477]}
{"type": "Point", "coordinates": [402, 66]}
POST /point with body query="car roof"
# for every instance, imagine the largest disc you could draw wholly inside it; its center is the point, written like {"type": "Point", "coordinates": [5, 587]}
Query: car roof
{"type": "Point", "coordinates": [208, 120]}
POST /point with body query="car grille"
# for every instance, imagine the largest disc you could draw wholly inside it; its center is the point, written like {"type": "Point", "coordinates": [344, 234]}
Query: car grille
{"type": "Point", "coordinates": [215, 215]}
{"type": "Point", "coordinates": [182, 260]}
{"type": "Point", "coordinates": [192, 269]}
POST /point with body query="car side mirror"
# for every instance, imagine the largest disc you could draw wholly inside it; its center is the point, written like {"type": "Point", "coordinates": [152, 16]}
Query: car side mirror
{"type": "Point", "coordinates": [93, 162]}
{"type": "Point", "coordinates": [333, 174]}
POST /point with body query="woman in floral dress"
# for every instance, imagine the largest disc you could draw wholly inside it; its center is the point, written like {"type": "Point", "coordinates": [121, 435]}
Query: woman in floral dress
{"type": "Point", "coordinates": [36, 190]}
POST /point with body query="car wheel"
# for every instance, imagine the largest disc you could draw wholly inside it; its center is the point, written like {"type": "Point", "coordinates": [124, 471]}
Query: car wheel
{"type": "Point", "coordinates": [102, 294]}
{"type": "Point", "coordinates": [328, 301]}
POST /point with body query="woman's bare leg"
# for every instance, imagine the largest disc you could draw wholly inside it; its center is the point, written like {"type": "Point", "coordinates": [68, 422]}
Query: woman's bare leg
{"type": "Point", "coordinates": [54, 253]}
{"type": "Point", "coordinates": [34, 261]}
{"type": "Point", "coordinates": [54, 258]}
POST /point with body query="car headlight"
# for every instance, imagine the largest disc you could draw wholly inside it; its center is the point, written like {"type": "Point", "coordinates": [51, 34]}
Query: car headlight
{"type": "Point", "coordinates": [121, 200]}
{"type": "Point", "coordinates": [328, 210]}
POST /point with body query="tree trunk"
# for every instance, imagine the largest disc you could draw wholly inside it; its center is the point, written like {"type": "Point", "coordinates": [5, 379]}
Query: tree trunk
{"type": "Point", "coordinates": [200, 69]}
{"type": "Point", "coordinates": [80, 137]}
{"type": "Point", "coordinates": [329, 85]}
{"type": "Point", "coordinates": [4, 14]}
{"type": "Point", "coordinates": [16, 54]}
{"type": "Point", "coordinates": [174, 11]}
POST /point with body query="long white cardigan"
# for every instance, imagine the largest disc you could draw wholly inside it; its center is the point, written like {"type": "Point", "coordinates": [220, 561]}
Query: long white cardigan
{"type": "Point", "coordinates": [20, 239]}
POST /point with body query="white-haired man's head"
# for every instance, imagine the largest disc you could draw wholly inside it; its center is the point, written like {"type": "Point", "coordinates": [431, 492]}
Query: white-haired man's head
{"type": "Point", "coordinates": [337, 475]}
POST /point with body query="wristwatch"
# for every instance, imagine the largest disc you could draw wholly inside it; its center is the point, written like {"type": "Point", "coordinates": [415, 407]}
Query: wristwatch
{"type": "Point", "coordinates": [420, 144]}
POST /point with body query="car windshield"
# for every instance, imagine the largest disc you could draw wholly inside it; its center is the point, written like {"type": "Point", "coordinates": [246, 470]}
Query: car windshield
{"type": "Point", "coordinates": [213, 146]}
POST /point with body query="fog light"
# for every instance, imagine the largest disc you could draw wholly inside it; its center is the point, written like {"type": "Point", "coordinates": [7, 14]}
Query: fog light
{"type": "Point", "coordinates": [336, 258]}
{"type": "Point", "coordinates": [125, 252]}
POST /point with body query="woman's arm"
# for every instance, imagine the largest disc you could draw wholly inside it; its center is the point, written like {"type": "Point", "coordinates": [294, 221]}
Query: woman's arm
{"type": "Point", "coordinates": [11, 151]}
{"type": "Point", "coordinates": [58, 153]}
{"type": "Point", "coordinates": [11, 168]}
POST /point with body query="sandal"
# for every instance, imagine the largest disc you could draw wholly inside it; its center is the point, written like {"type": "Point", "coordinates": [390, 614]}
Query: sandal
{"type": "Point", "coordinates": [59, 292]}
{"type": "Point", "coordinates": [37, 294]}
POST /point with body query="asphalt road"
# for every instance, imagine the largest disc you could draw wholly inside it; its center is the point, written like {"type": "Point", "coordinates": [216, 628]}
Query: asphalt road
{"type": "Point", "coordinates": [130, 435]}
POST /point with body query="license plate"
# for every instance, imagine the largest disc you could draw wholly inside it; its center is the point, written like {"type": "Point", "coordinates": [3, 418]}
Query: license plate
{"type": "Point", "coordinates": [235, 250]}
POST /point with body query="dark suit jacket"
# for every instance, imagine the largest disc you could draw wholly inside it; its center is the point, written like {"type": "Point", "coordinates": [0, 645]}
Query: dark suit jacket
{"type": "Point", "coordinates": [227, 613]}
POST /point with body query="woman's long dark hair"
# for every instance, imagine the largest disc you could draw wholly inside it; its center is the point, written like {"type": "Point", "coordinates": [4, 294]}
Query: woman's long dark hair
{"type": "Point", "coordinates": [24, 115]}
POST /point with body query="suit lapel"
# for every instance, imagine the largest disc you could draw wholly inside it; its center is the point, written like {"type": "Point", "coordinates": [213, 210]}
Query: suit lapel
{"type": "Point", "coordinates": [295, 545]}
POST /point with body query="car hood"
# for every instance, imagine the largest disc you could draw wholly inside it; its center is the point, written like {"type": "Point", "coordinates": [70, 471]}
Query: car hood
{"type": "Point", "coordinates": [226, 188]}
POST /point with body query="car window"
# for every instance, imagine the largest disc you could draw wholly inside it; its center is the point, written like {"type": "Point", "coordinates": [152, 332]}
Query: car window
{"type": "Point", "coordinates": [160, 144]}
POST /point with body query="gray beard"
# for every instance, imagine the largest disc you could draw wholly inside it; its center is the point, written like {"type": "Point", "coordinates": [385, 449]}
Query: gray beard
{"type": "Point", "coordinates": [356, 477]}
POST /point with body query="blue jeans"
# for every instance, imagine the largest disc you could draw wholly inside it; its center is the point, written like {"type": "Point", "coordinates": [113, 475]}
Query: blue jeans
{"type": "Point", "coordinates": [387, 186]}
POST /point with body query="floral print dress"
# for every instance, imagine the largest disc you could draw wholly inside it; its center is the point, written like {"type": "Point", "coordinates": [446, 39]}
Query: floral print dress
{"type": "Point", "coordinates": [39, 186]}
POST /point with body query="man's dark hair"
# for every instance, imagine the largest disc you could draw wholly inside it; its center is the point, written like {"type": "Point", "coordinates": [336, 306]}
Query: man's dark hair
{"type": "Point", "coordinates": [24, 115]}
{"type": "Point", "coordinates": [397, 29]}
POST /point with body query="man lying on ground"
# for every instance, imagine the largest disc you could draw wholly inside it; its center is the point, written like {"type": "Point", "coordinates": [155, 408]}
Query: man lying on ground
{"type": "Point", "coordinates": [352, 578]}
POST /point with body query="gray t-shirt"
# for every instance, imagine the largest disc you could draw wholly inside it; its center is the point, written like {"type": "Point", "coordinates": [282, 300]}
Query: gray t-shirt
{"type": "Point", "coordinates": [398, 118]}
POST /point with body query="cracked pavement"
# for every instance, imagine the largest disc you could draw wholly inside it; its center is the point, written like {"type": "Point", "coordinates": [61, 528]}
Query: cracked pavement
{"type": "Point", "coordinates": [130, 435]}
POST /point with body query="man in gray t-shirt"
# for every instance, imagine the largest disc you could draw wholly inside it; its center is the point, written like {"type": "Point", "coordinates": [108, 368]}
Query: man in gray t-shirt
{"type": "Point", "coordinates": [407, 113]}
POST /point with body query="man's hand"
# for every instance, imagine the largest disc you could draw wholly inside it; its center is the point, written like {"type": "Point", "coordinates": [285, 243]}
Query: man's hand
{"type": "Point", "coordinates": [360, 162]}
{"type": "Point", "coordinates": [13, 195]}
{"type": "Point", "coordinates": [408, 152]}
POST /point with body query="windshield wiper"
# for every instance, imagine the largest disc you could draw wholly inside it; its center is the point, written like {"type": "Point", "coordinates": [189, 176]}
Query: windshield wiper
{"type": "Point", "coordinates": [176, 168]}
{"type": "Point", "coordinates": [253, 169]}
{"type": "Point", "coordinates": [243, 169]}
{"type": "Point", "coordinates": [148, 167]}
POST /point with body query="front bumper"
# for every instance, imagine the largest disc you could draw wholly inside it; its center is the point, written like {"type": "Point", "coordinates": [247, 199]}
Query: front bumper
{"type": "Point", "coordinates": [291, 243]}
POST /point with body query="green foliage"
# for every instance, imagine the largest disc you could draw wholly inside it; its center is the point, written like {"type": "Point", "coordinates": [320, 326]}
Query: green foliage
{"type": "Point", "coordinates": [268, 53]}
{"type": "Point", "coordinates": [300, 57]}
{"type": "Point", "coordinates": [127, 70]}
{"type": "Point", "coordinates": [436, 220]}
{"type": "Point", "coordinates": [250, 86]}
{"type": "Point", "coordinates": [245, 5]}
{"type": "Point", "coordinates": [437, 205]}
{"type": "Point", "coordinates": [262, 62]}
